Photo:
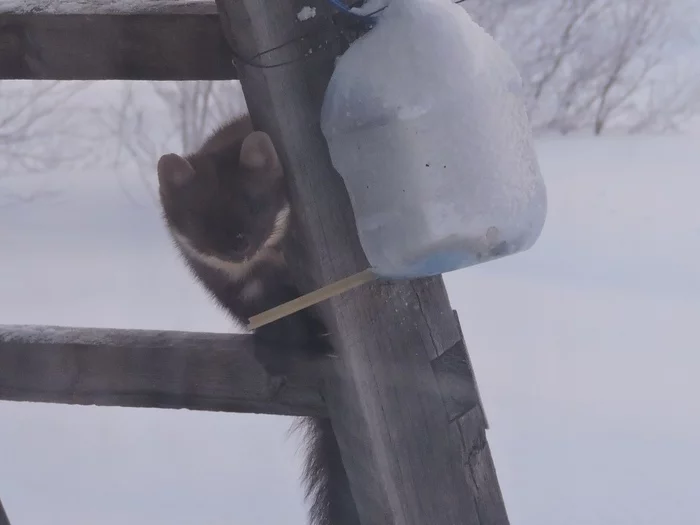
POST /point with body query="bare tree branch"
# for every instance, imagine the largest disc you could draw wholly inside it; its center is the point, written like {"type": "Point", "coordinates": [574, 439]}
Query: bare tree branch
{"type": "Point", "coordinates": [170, 116]}
{"type": "Point", "coordinates": [44, 125]}
{"type": "Point", "coordinates": [596, 64]}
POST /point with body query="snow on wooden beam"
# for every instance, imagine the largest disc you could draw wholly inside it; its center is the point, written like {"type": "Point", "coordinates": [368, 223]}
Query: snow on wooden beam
{"type": "Point", "coordinates": [109, 7]}
{"type": "Point", "coordinates": [112, 39]}
{"type": "Point", "coordinates": [150, 369]}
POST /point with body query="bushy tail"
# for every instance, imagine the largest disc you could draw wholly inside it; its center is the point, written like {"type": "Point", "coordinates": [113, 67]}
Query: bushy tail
{"type": "Point", "coordinates": [325, 481]}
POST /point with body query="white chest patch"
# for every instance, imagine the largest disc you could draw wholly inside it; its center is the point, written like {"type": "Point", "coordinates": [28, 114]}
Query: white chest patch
{"type": "Point", "coordinates": [252, 290]}
{"type": "Point", "coordinates": [238, 271]}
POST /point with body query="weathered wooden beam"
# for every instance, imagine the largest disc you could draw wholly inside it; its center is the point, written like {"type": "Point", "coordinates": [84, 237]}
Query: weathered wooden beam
{"type": "Point", "coordinates": [414, 446]}
{"type": "Point", "coordinates": [148, 368]}
{"type": "Point", "coordinates": [109, 7]}
{"type": "Point", "coordinates": [95, 40]}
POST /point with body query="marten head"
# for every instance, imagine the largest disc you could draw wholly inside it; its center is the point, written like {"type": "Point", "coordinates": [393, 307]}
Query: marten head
{"type": "Point", "coordinates": [228, 204]}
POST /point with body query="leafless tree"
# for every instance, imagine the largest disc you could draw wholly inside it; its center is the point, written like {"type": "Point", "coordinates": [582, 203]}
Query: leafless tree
{"type": "Point", "coordinates": [154, 117]}
{"type": "Point", "coordinates": [587, 65]}
{"type": "Point", "coordinates": [149, 119]}
{"type": "Point", "coordinates": [596, 64]}
{"type": "Point", "coordinates": [495, 16]}
{"type": "Point", "coordinates": [41, 126]}
{"type": "Point", "coordinates": [198, 106]}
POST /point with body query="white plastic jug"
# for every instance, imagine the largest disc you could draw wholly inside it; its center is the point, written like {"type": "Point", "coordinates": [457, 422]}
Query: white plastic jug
{"type": "Point", "coordinates": [425, 122]}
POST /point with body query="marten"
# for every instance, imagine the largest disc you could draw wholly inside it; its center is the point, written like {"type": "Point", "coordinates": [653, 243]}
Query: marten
{"type": "Point", "coordinates": [227, 210]}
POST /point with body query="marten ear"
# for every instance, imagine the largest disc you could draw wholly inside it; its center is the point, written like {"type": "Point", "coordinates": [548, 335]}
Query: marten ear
{"type": "Point", "coordinates": [174, 171]}
{"type": "Point", "coordinates": [258, 152]}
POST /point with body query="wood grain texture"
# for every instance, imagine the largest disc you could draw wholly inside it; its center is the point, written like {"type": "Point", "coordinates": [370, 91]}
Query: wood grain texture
{"type": "Point", "coordinates": [119, 47]}
{"type": "Point", "coordinates": [108, 7]}
{"type": "Point", "coordinates": [453, 373]}
{"type": "Point", "coordinates": [148, 368]}
{"type": "Point", "coordinates": [479, 468]}
{"type": "Point", "coordinates": [404, 458]}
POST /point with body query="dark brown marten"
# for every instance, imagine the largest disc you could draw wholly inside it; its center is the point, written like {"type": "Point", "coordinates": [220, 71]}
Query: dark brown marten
{"type": "Point", "coordinates": [228, 213]}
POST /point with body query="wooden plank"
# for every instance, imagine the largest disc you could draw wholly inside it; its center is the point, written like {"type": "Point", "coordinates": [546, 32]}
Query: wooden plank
{"type": "Point", "coordinates": [108, 7]}
{"type": "Point", "coordinates": [148, 368]}
{"type": "Point", "coordinates": [400, 440]}
{"type": "Point", "coordinates": [82, 40]}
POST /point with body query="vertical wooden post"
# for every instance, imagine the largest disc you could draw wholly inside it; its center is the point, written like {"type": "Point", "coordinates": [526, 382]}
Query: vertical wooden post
{"type": "Point", "coordinates": [413, 443]}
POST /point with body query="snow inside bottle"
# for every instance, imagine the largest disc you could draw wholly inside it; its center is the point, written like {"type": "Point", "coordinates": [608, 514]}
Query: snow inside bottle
{"type": "Point", "coordinates": [425, 122]}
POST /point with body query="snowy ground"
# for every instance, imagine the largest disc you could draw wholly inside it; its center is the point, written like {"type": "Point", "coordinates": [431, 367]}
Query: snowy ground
{"type": "Point", "coordinates": [585, 349]}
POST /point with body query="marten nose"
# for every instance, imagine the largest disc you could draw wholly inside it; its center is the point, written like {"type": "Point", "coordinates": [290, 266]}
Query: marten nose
{"type": "Point", "coordinates": [240, 245]}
